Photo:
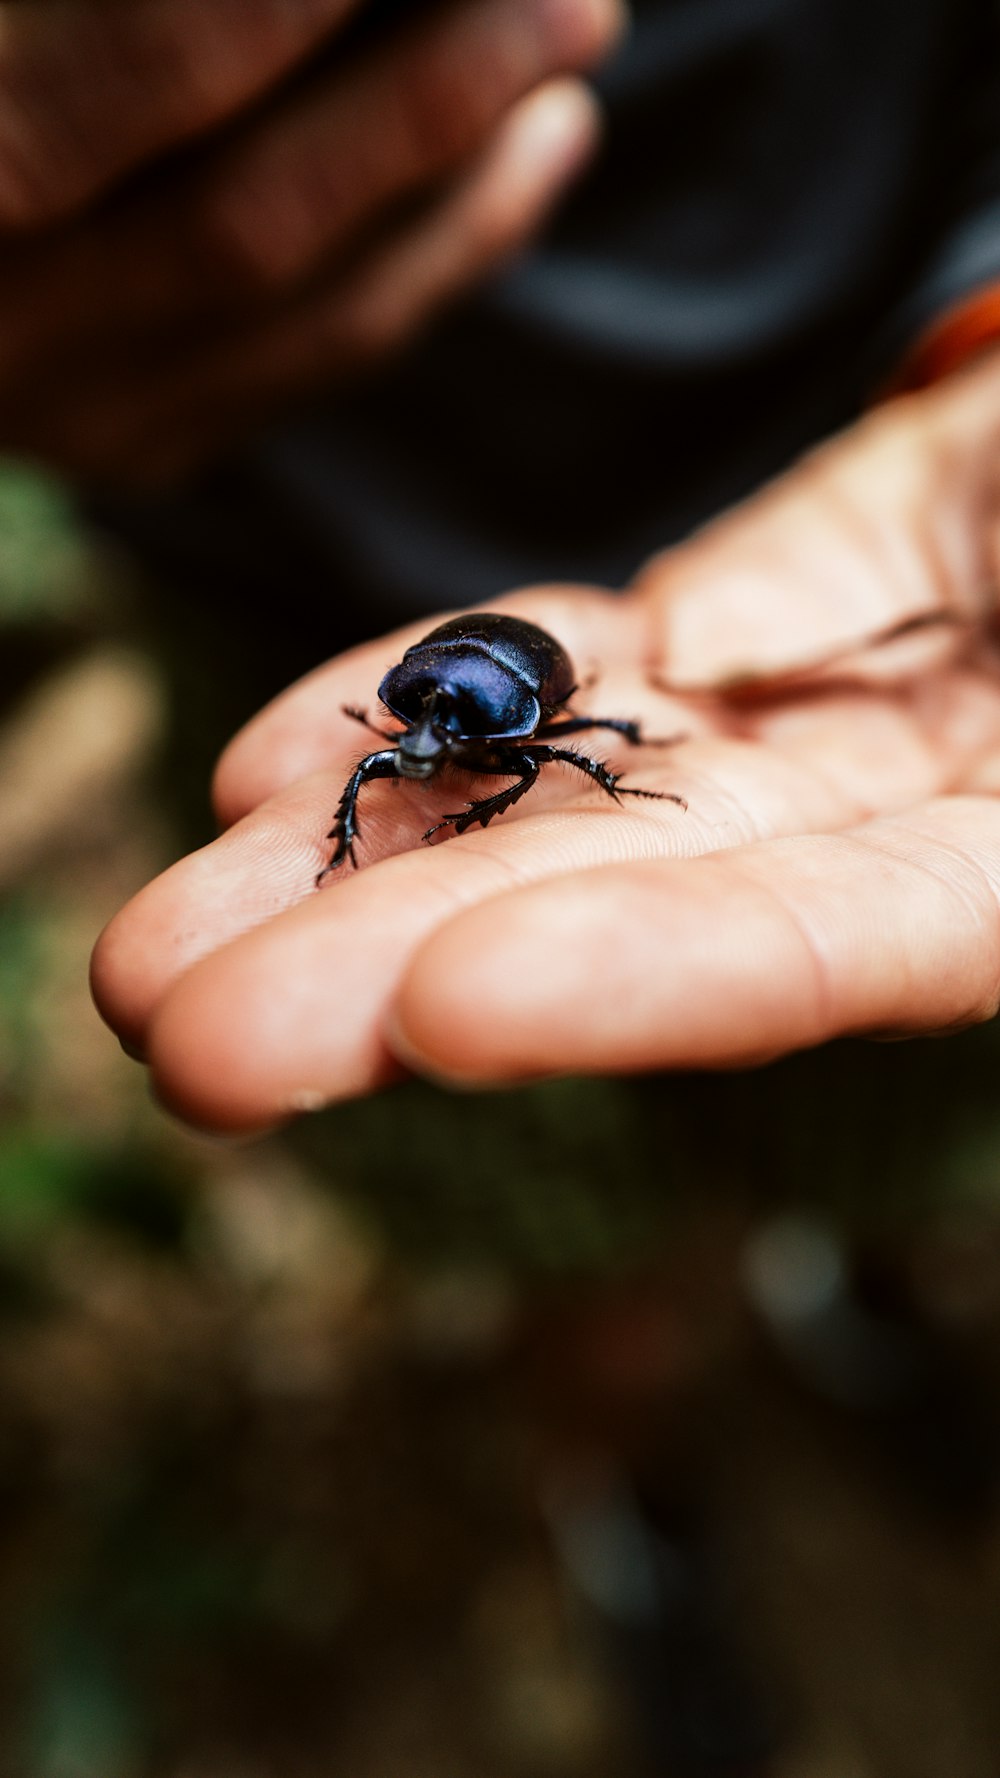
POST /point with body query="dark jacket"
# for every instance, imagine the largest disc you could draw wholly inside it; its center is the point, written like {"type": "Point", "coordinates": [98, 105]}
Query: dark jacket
{"type": "Point", "coordinates": [790, 191]}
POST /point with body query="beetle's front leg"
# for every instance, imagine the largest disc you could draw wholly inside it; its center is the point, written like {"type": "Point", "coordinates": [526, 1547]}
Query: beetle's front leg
{"type": "Point", "coordinates": [344, 831]}
{"type": "Point", "coordinates": [521, 765]}
{"type": "Point", "coordinates": [632, 731]}
{"type": "Point", "coordinates": [573, 725]}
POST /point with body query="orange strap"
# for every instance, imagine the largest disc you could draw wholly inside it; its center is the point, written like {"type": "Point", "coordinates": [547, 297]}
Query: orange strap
{"type": "Point", "coordinates": [951, 342]}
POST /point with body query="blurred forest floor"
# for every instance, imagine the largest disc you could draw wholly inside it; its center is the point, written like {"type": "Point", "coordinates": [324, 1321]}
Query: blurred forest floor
{"type": "Point", "coordinates": [603, 1430]}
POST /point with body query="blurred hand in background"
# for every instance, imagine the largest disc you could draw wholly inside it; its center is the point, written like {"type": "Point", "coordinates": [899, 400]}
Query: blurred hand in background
{"type": "Point", "coordinates": [206, 208]}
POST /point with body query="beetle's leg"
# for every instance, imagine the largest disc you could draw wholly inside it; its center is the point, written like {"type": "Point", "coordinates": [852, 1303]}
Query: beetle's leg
{"type": "Point", "coordinates": [344, 831]}
{"type": "Point", "coordinates": [632, 731]}
{"type": "Point", "coordinates": [608, 780]}
{"type": "Point", "coordinates": [572, 725]}
{"type": "Point", "coordinates": [361, 716]}
{"type": "Point", "coordinates": [484, 810]}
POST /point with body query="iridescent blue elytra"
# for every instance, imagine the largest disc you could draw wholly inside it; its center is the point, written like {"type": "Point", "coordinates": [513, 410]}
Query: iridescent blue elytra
{"type": "Point", "coordinates": [487, 693]}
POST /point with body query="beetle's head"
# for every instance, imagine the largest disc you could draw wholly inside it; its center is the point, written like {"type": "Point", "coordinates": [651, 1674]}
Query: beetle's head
{"type": "Point", "coordinates": [424, 745]}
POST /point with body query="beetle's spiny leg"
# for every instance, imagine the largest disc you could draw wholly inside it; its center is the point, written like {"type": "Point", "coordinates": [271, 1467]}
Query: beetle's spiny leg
{"type": "Point", "coordinates": [344, 831]}
{"type": "Point", "coordinates": [484, 809]}
{"type": "Point", "coordinates": [574, 725]}
{"type": "Point", "coordinates": [630, 730]}
{"type": "Point", "coordinates": [343, 849]}
{"type": "Point", "coordinates": [600, 774]}
{"type": "Point", "coordinates": [656, 796]}
{"type": "Point", "coordinates": [594, 768]}
{"type": "Point", "coordinates": [343, 834]}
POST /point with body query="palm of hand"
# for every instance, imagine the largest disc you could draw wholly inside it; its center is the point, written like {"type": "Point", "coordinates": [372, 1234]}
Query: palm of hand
{"type": "Point", "coordinates": [837, 869]}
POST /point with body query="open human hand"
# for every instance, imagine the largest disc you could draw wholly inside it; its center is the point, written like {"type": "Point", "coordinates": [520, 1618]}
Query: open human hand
{"type": "Point", "coordinates": [207, 209]}
{"type": "Point", "coordinates": [827, 653]}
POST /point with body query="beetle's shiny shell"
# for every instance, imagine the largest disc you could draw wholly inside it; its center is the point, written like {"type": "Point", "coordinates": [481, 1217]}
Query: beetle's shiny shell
{"type": "Point", "coordinates": [502, 675]}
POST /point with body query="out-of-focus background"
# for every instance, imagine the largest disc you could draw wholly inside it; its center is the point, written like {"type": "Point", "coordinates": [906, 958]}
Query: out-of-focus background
{"type": "Point", "coordinates": [624, 1430]}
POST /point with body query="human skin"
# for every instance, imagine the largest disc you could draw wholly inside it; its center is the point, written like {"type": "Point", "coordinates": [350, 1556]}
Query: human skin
{"type": "Point", "coordinates": [205, 213]}
{"type": "Point", "coordinates": [827, 650]}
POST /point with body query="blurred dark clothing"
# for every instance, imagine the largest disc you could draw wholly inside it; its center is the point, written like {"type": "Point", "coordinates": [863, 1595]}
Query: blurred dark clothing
{"type": "Point", "coordinates": [789, 192]}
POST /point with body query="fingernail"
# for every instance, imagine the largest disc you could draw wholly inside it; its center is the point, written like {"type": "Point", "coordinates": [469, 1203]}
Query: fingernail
{"type": "Point", "coordinates": [559, 130]}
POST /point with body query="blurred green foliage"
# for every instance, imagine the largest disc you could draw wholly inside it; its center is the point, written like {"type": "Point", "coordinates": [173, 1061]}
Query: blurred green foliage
{"type": "Point", "coordinates": [48, 568]}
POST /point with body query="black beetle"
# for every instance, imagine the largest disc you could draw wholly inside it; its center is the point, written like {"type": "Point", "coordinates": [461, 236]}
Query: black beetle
{"type": "Point", "coordinates": [479, 692]}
